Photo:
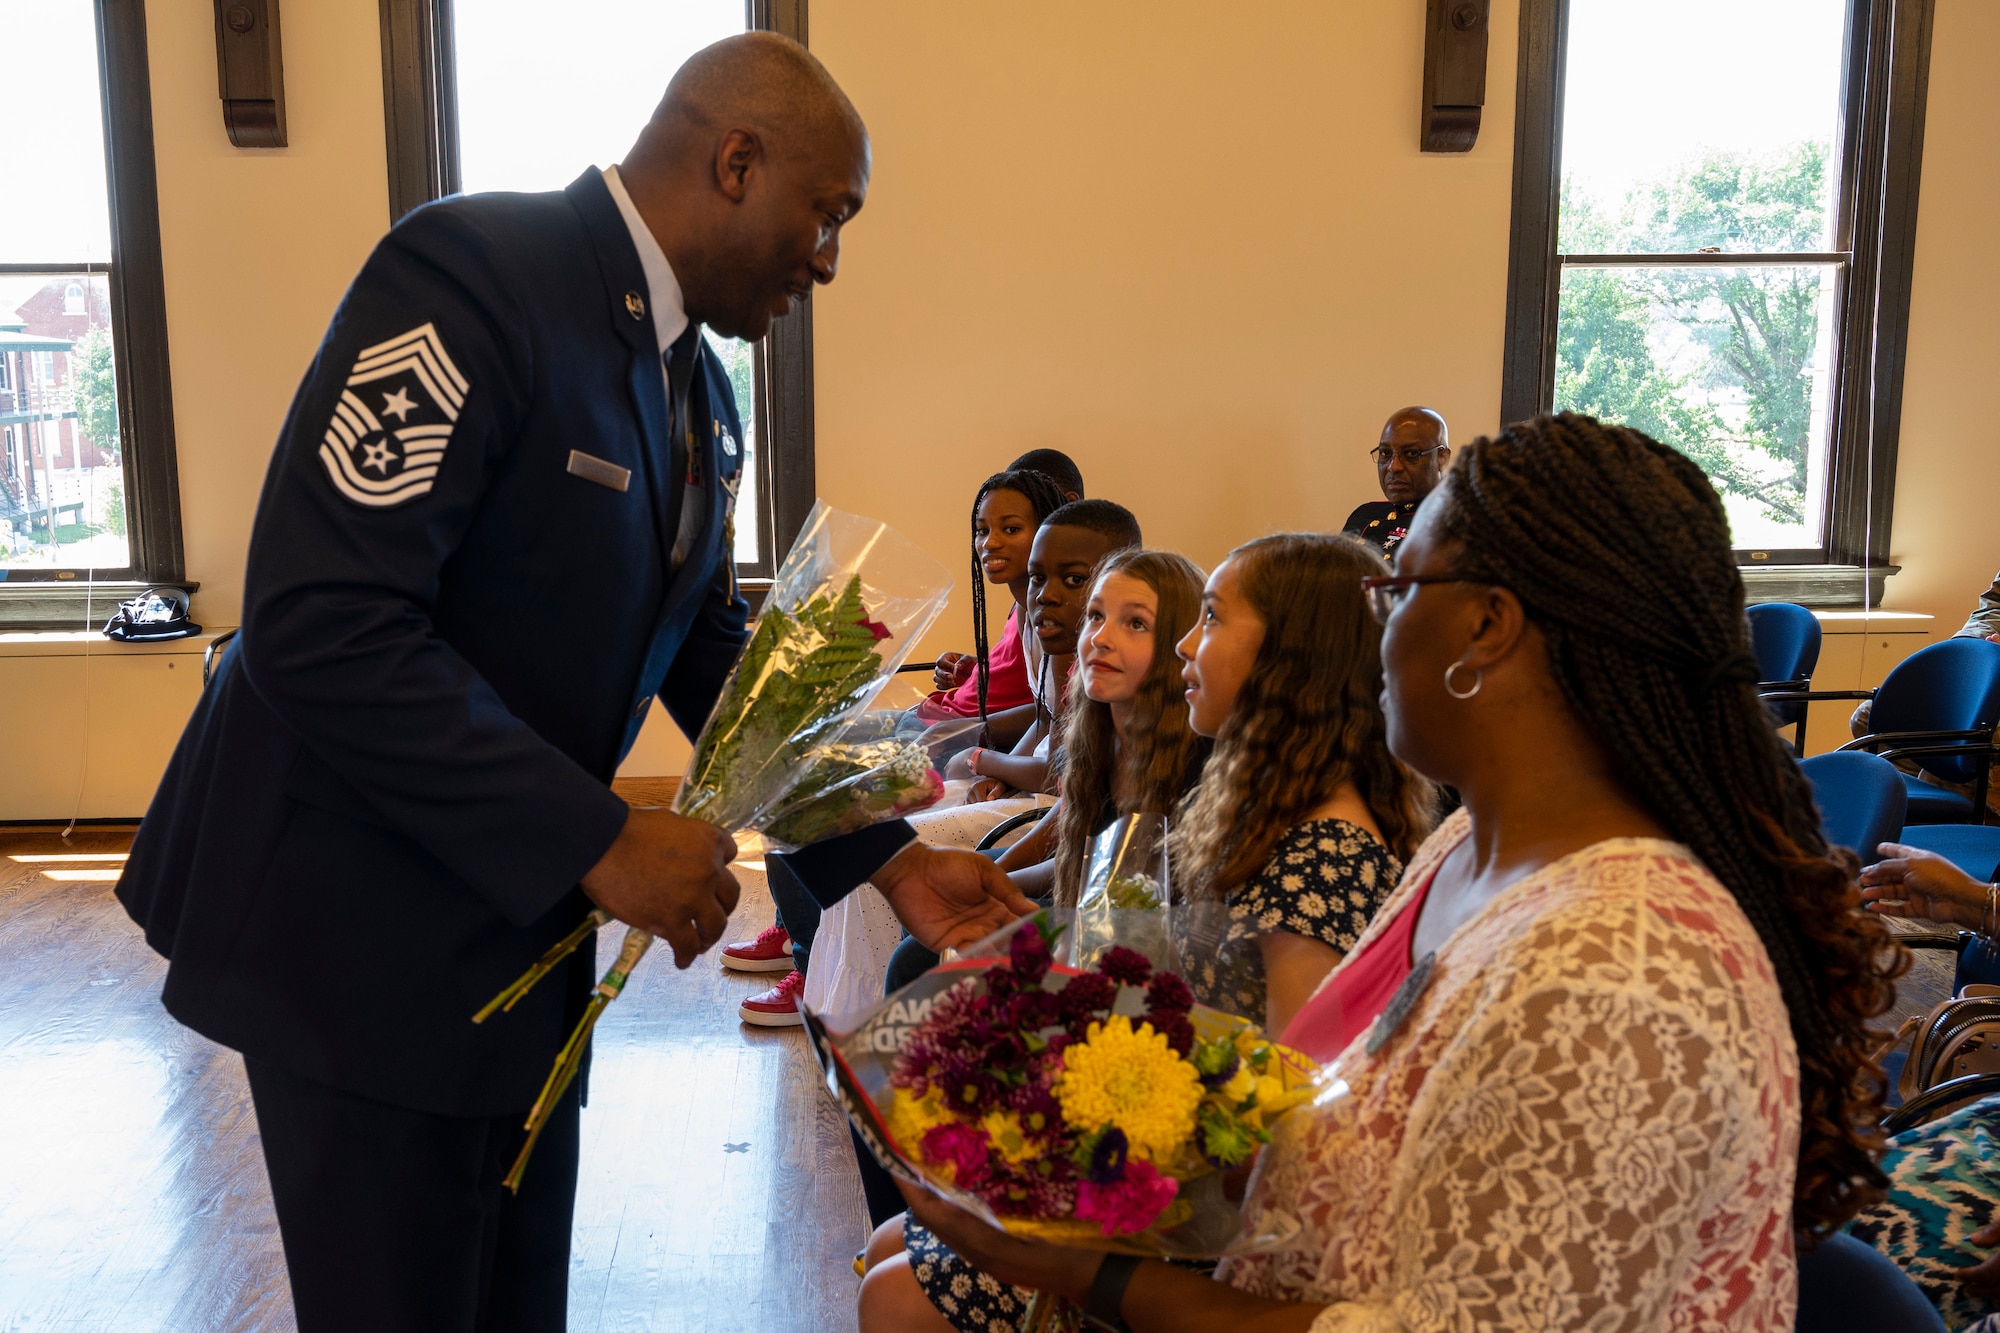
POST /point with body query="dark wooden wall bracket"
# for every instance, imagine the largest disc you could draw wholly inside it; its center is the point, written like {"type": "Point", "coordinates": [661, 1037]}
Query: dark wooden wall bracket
{"type": "Point", "coordinates": [1454, 74]}
{"type": "Point", "coordinates": [250, 67]}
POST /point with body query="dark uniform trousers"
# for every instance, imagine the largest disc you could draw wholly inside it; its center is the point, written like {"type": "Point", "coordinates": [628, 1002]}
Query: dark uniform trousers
{"type": "Point", "coordinates": [396, 1220]}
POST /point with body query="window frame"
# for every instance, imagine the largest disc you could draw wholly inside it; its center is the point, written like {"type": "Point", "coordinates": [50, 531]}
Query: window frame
{"type": "Point", "coordinates": [1886, 72]}
{"type": "Point", "coordinates": [420, 101]}
{"type": "Point", "coordinates": [136, 283]}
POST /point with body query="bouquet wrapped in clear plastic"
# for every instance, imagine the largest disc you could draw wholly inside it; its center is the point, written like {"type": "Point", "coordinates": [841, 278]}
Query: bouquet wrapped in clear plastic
{"type": "Point", "coordinates": [787, 751]}
{"type": "Point", "coordinates": [1096, 1106]}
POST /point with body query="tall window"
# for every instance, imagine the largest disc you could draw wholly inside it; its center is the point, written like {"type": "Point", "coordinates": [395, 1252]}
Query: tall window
{"type": "Point", "coordinates": [487, 95]}
{"type": "Point", "coordinates": [62, 489]}
{"type": "Point", "coordinates": [1713, 216]}
{"type": "Point", "coordinates": [87, 476]}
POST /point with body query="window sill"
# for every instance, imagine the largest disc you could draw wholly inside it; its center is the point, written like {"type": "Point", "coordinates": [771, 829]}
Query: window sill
{"type": "Point", "coordinates": [68, 604]}
{"type": "Point", "coordinates": [92, 643]}
{"type": "Point", "coordinates": [1833, 586]}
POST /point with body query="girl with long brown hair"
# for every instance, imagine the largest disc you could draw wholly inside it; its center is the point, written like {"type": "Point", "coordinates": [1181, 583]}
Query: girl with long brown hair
{"type": "Point", "coordinates": [1126, 744]}
{"type": "Point", "coordinates": [1303, 818]}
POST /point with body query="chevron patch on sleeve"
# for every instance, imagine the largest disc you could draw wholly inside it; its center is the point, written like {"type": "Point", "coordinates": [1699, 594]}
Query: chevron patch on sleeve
{"type": "Point", "coordinates": [394, 420]}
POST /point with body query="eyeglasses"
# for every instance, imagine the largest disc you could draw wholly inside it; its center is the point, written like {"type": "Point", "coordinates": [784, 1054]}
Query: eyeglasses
{"type": "Point", "coordinates": [1386, 593]}
{"type": "Point", "coordinates": [1410, 457]}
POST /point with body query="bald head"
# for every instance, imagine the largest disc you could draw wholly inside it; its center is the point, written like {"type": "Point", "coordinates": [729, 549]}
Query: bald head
{"type": "Point", "coordinates": [1411, 458]}
{"type": "Point", "coordinates": [750, 166]}
{"type": "Point", "coordinates": [762, 82]}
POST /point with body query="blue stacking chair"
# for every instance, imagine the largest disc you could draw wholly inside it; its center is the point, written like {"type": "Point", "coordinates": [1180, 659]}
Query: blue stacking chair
{"type": "Point", "coordinates": [1938, 708]}
{"type": "Point", "coordinates": [1973, 848]}
{"type": "Point", "coordinates": [1861, 799]}
{"type": "Point", "coordinates": [1785, 639]}
{"type": "Point", "coordinates": [1849, 1286]}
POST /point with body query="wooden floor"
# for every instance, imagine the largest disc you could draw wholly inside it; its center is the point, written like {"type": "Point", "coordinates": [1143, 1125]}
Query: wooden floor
{"type": "Point", "coordinates": [132, 1188]}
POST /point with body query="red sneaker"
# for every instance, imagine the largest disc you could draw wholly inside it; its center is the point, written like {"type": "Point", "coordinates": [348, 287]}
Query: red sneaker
{"type": "Point", "coordinates": [771, 951]}
{"type": "Point", "coordinates": [777, 1007]}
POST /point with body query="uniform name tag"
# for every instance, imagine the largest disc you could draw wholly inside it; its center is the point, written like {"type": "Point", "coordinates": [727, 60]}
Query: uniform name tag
{"type": "Point", "coordinates": [592, 468]}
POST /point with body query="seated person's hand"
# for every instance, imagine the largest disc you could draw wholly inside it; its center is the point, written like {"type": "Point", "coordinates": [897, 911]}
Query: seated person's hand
{"type": "Point", "coordinates": [1983, 1279]}
{"type": "Point", "coordinates": [987, 789]}
{"type": "Point", "coordinates": [948, 899]}
{"type": "Point", "coordinates": [1857, 722]}
{"type": "Point", "coordinates": [1914, 882]}
{"type": "Point", "coordinates": [953, 670]}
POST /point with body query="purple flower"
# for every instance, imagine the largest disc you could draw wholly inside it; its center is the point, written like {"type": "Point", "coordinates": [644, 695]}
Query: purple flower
{"type": "Point", "coordinates": [1125, 966]}
{"type": "Point", "coordinates": [1175, 1028]}
{"type": "Point", "coordinates": [1085, 997]}
{"type": "Point", "coordinates": [1028, 953]}
{"type": "Point", "coordinates": [1169, 994]}
{"type": "Point", "coordinates": [1107, 1157]}
{"type": "Point", "coordinates": [1033, 1010]}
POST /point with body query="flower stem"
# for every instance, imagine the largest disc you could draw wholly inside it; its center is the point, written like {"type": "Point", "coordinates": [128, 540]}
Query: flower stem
{"type": "Point", "coordinates": [570, 1059]}
{"type": "Point", "coordinates": [522, 984]}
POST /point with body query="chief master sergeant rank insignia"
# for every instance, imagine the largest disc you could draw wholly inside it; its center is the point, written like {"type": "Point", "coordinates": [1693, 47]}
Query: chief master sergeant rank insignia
{"type": "Point", "coordinates": [394, 419]}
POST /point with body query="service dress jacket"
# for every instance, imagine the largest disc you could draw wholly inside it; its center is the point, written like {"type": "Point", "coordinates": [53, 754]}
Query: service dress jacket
{"type": "Point", "coordinates": [453, 628]}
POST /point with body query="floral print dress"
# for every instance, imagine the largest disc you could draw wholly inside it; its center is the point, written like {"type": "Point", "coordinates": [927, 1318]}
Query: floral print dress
{"type": "Point", "coordinates": [1325, 880]}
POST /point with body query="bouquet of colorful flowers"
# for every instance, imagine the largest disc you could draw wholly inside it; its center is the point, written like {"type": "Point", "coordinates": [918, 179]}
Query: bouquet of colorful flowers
{"type": "Point", "coordinates": [1099, 1107]}
{"type": "Point", "coordinates": [775, 757]}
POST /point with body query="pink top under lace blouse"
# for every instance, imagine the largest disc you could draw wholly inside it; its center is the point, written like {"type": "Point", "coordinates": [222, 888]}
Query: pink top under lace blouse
{"type": "Point", "coordinates": [1590, 1120]}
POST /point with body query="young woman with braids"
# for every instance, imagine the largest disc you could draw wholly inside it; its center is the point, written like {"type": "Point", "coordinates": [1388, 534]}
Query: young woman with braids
{"type": "Point", "coordinates": [994, 682]}
{"type": "Point", "coordinates": [1628, 1071]}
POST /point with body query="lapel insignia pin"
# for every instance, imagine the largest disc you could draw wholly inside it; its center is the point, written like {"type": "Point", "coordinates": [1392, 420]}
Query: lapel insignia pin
{"type": "Point", "coordinates": [635, 305]}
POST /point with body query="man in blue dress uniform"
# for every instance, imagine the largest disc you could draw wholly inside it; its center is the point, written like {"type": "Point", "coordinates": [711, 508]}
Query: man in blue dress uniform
{"type": "Point", "coordinates": [495, 528]}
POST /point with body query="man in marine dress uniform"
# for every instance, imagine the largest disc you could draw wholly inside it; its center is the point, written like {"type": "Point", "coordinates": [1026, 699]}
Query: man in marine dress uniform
{"type": "Point", "coordinates": [494, 530]}
{"type": "Point", "coordinates": [1409, 462]}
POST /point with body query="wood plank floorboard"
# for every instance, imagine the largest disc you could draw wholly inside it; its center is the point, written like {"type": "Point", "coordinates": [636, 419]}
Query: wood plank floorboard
{"type": "Point", "coordinates": [132, 1188]}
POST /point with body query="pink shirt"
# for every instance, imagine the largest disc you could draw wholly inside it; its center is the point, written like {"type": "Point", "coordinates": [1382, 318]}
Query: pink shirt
{"type": "Point", "coordinates": [1007, 677]}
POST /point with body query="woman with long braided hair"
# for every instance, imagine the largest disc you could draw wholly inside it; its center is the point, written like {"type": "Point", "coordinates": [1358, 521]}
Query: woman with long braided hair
{"type": "Point", "coordinates": [1627, 1072]}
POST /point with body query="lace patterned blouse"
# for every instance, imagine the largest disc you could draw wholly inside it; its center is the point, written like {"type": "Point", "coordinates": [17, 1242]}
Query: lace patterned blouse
{"type": "Point", "coordinates": [1589, 1120]}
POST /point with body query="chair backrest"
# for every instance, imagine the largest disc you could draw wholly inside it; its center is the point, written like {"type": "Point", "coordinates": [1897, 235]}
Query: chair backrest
{"type": "Point", "coordinates": [1849, 1286]}
{"type": "Point", "coordinates": [1861, 799]}
{"type": "Point", "coordinates": [1784, 638]}
{"type": "Point", "coordinates": [1949, 686]}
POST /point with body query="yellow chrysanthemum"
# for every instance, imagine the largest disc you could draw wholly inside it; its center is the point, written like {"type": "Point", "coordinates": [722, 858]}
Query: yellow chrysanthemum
{"type": "Point", "coordinates": [910, 1115]}
{"type": "Point", "coordinates": [1003, 1131]}
{"type": "Point", "coordinates": [1133, 1080]}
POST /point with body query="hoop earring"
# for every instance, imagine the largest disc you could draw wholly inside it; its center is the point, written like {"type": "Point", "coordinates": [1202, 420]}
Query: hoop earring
{"type": "Point", "coordinates": [1478, 680]}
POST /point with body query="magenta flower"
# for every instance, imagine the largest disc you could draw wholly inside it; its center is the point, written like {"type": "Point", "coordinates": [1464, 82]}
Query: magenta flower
{"type": "Point", "coordinates": [876, 628]}
{"type": "Point", "coordinates": [1131, 1205]}
{"type": "Point", "coordinates": [963, 1147]}
{"type": "Point", "coordinates": [1176, 1028]}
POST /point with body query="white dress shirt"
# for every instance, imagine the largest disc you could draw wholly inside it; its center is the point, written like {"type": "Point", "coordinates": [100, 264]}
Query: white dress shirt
{"type": "Point", "coordinates": [670, 320]}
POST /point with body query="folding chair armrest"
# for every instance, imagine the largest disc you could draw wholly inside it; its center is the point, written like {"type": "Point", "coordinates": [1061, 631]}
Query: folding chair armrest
{"type": "Point", "coordinates": [1009, 824]}
{"type": "Point", "coordinates": [212, 652]}
{"type": "Point", "coordinates": [1779, 694]}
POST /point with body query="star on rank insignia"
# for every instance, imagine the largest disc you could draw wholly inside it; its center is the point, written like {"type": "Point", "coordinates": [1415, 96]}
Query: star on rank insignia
{"type": "Point", "coordinates": [394, 420]}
